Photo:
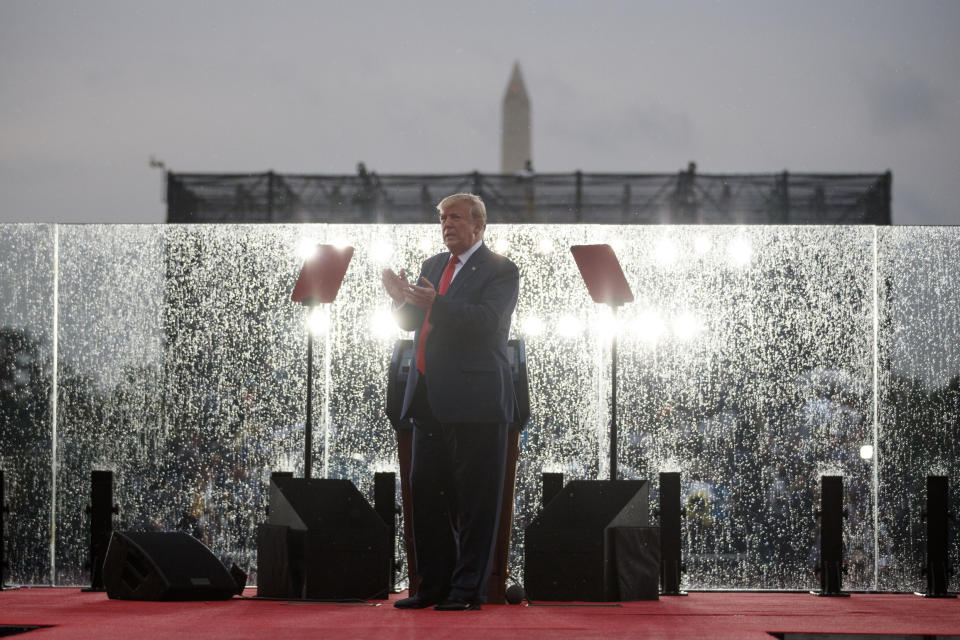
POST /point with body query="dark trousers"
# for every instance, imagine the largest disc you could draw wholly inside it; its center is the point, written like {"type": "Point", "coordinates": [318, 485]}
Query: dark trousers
{"type": "Point", "coordinates": [456, 478]}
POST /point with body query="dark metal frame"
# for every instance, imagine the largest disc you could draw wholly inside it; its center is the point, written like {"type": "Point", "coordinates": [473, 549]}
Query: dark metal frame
{"type": "Point", "coordinates": [685, 197]}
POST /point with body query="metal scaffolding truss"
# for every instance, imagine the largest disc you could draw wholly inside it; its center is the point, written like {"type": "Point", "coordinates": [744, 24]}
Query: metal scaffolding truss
{"type": "Point", "coordinates": [685, 197]}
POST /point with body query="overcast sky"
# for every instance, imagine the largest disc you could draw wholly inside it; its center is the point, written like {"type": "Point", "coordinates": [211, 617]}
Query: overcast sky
{"type": "Point", "coordinates": [90, 90]}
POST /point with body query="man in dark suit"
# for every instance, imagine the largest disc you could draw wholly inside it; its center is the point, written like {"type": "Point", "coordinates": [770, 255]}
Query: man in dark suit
{"type": "Point", "coordinates": [461, 398]}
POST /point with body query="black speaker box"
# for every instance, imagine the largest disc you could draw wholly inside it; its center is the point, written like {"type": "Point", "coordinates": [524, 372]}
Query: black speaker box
{"type": "Point", "coordinates": [636, 558]}
{"type": "Point", "coordinates": [164, 566]}
{"type": "Point", "coordinates": [3, 513]}
{"type": "Point", "coordinates": [831, 536]}
{"type": "Point", "coordinates": [101, 524]}
{"type": "Point", "coordinates": [938, 567]}
{"type": "Point", "coordinates": [671, 533]}
{"type": "Point", "coordinates": [323, 541]}
{"type": "Point", "coordinates": [592, 542]}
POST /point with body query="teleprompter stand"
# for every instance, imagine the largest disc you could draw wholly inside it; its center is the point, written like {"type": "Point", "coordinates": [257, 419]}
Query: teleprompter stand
{"type": "Point", "coordinates": [323, 541]}
{"type": "Point", "coordinates": [319, 282]}
{"type": "Point", "coordinates": [606, 283]}
{"type": "Point", "coordinates": [592, 541]}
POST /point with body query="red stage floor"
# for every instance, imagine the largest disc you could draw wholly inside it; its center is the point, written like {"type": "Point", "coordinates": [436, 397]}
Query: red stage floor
{"type": "Point", "coordinates": [74, 614]}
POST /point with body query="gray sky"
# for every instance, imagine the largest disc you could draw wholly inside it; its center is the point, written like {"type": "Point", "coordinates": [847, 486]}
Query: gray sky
{"type": "Point", "coordinates": [90, 90]}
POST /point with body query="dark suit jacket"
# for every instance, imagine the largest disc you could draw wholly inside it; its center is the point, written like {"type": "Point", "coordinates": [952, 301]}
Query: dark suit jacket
{"type": "Point", "coordinates": [468, 373]}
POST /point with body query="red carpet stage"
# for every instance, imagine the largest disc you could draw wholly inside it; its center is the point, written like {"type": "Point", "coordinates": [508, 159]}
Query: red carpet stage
{"type": "Point", "coordinates": [74, 614]}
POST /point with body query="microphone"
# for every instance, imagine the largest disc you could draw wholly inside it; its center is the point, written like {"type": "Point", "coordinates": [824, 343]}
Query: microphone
{"type": "Point", "coordinates": [515, 594]}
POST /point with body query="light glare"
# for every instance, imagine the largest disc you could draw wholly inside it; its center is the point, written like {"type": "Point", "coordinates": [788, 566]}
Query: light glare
{"type": "Point", "coordinates": [383, 325]}
{"type": "Point", "coordinates": [649, 326]}
{"type": "Point", "coordinates": [740, 252]}
{"type": "Point", "coordinates": [381, 252]}
{"type": "Point", "coordinates": [307, 248]}
{"type": "Point", "coordinates": [608, 324]}
{"type": "Point", "coordinates": [665, 253]}
{"type": "Point", "coordinates": [569, 326]}
{"type": "Point", "coordinates": [426, 244]}
{"type": "Point", "coordinates": [318, 322]}
{"type": "Point", "coordinates": [686, 326]}
{"type": "Point", "coordinates": [701, 244]}
{"type": "Point", "coordinates": [532, 326]}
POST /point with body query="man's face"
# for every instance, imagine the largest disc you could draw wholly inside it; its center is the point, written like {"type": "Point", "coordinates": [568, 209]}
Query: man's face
{"type": "Point", "coordinates": [460, 230]}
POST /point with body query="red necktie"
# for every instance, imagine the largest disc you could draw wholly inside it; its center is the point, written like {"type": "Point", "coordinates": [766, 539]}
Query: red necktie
{"type": "Point", "coordinates": [425, 329]}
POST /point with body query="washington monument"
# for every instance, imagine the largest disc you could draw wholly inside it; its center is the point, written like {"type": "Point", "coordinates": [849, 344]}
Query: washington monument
{"type": "Point", "coordinates": [516, 149]}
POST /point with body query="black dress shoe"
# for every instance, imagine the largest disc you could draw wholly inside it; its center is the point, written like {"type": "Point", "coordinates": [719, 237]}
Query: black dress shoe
{"type": "Point", "coordinates": [456, 604]}
{"type": "Point", "coordinates": [414, 602]}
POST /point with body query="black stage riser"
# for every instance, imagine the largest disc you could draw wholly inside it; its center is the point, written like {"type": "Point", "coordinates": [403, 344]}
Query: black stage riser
{"type": "Point", "coordinates": [323, 541]}
{"type": "Point", "coordinates": [592, 542]}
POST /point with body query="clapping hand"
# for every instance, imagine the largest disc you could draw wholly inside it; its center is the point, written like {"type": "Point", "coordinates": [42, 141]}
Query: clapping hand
{"type": "Point", "coordinates": [421, 296]}
{"type": "Point", "coordinates": [396, 285]}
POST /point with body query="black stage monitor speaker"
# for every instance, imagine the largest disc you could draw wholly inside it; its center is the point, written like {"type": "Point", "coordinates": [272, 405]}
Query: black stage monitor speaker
{"type": "Point", "coordinates": [323, 541]}
{"type": "Point", "coordinates": [831, 536]}
{"type": "Point", "coordinates": [671, 533]}
{"type": "Point", "coordinates": [551, 486]}
{"type": "Point", "coordinates": [403, 358]}
{"type": "Point", "coordinates": [3, 514]}
{"type": "Point", "coordinates": [164, 566]}
{"type": "Point", "coordinates": [592, 542]}
{"type": "Point", "coordinates": [101, 512]}
{"type": "Point", "coordinates": [938, 568]}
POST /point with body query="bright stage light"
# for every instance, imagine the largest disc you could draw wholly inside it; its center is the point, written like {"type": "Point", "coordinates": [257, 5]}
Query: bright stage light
{"type": "Point", "coordinates": [739, 252]}
{"type": "Point", "coordinates": [866, 452]}
{"type": "Point", "coordinates": [665, 253]}
{"type": "Point", "coordinates": [383, 325]}
{"type": "Point", "coordinates": [686, 326]}
{"type": "Point", "coordinates": [649, 326]}
{"type": "Point", "coordinates": [307, 248]}
{"type": "Point", "coordinates": [545, 246]}
{"type": "Point", "coordinates": [341, 242]}
{"type": "Point", "coordinates": [318, 322]}
{"type": "Point", "coordinates": [608, 324]}
{"type": "Point", "coordinates": [701, 244]}
{"type": "Point", "coordinates": [427, 244]}
{"type": "Point", "coordinates": [381, 251]}
{"type": "Point", "coordinates": [501, 246]}
{"type": "Point", "coordinates": [532, 326]}
{"type": "Point", "coordinates": [569, 326]}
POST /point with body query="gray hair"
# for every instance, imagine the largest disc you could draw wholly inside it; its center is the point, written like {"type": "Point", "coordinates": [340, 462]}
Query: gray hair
{"type": "Point", "coordinates": [477, 208]}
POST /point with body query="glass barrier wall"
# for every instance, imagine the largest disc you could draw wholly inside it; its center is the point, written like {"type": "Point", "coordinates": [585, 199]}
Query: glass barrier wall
{"type": "Point", "coordinates": [753, 361]}
{"type": "Point", "coordinates": [27, 374]}
{"type": "Point", "coordinates": [919, 393]}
